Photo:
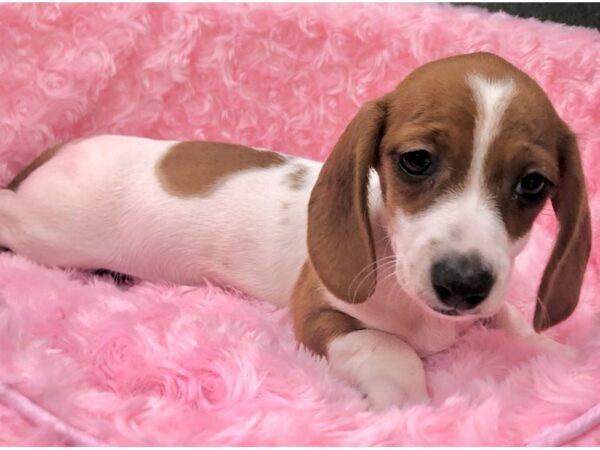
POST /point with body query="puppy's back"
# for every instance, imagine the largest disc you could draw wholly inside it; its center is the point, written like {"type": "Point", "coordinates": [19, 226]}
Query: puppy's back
{"type": "Point", "coordinates": [164, 210]}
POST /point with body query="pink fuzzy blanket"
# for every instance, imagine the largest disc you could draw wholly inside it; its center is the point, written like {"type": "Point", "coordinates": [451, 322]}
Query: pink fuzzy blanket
{"type": "Point", "coordinates": [83, 361]}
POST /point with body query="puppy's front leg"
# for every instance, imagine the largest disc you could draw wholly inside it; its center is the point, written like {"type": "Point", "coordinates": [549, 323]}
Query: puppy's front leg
{"type": "Point", "coordinates": [383, 367]}
{"type": "Point", "coordinates": [510, 319]}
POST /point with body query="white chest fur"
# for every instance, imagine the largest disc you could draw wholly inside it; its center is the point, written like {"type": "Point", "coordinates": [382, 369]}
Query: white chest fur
{"type": "Point", "coordinates": [390, 309]}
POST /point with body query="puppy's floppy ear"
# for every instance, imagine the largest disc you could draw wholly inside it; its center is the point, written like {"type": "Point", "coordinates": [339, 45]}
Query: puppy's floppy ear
{"type": "Point", "coordinates": [559, 290]}
{"type": "Point", "coordinates": [340, 241]}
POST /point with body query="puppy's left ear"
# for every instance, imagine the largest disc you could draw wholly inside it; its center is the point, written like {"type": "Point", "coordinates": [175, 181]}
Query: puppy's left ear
{"type": "Point", "coordinates": [340, 240]}
{"type": "Point", "coordinates": [561, 284]}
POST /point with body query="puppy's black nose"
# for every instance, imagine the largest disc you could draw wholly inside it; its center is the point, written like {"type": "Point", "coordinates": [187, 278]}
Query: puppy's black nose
{"type": "Point", "coordinates": [461, 281]}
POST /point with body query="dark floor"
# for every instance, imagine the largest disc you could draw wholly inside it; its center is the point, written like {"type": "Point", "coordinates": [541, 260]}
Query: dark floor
{"type": "Point", "coordinates": [580, 14]}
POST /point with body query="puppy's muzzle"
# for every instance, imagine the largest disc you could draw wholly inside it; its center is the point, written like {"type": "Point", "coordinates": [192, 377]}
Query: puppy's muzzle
{"type": "Point", "coordinates": [461, 282]}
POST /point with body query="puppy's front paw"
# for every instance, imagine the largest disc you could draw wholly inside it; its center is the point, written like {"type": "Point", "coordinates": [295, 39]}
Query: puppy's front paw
{"type": "Point", "coordinates": [549, 345]}
{"type": "Point", "coordinates": [385, 395]}
{"type": "Point", "coordinates": [511, 320]}
{"type": "Point", "coordinates": [381, 366]}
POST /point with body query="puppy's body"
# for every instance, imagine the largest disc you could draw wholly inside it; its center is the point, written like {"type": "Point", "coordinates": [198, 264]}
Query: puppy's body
{"type": "Point", "coordinates": [112, 209]}
{"type": "Point", "coordinates": [412, 223]}
{"type": "Point", "coordinates": [103, 202]}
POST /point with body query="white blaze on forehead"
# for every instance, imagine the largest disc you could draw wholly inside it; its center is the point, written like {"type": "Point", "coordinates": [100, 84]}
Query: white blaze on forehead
{"type": "Point", "coordinates": [492, 98]}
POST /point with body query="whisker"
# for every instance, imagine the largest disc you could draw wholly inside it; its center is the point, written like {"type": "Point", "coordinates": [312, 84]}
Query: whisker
{"type": "Point", "coordinates": [382, 263]}
{"type": "Point", "coordinates": [368, 266]}
{"type": "Point", "coordinates": [387, 299]}
{"type": "Point", "coordinates": [388, 243]}
{"type": "Point", "coordinates": [543, 309]}
{"type": "Point", "coordinates": [383, 238]}
{"type": "Point", "coordinates": [368, 269]}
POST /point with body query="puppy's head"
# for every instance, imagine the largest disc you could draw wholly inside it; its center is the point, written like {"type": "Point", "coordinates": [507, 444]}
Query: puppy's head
{"type": "Point", "coordinates": [467, 150]}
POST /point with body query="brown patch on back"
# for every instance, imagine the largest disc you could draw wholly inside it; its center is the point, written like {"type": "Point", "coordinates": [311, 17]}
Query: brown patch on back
{"type": "Point", "coordinates": [295, 179]}
{"type": "Point", "coordinates": [316, 323]}
{"type": "Point", "coordinates": [37, 162]}
{"type": "Point", "coordinates": [195, 168]}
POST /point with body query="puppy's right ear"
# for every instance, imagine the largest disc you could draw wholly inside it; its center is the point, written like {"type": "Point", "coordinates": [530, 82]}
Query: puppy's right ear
{"type": "Point", "coordinates": [340, 240]}
{"type": "Point", "coordinates": [559, 290]}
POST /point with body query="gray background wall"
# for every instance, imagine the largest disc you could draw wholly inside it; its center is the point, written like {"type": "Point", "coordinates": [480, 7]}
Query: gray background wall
{"type": "Point", "coordinates": [580, 14]}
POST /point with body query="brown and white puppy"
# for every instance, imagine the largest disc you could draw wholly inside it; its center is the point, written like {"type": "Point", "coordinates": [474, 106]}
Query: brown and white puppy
{"type": "Point", "coordinates": [412, 223]}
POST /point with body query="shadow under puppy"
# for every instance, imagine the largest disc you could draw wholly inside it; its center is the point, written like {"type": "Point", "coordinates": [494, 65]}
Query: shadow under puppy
{"type": "Point", "coordinates": [412, 223]}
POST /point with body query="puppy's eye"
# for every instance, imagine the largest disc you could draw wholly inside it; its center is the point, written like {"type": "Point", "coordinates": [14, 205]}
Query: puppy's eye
{"type": "Point", "coordinates": [416, 163]}
{"type": "Point", "coordinates": [532, 188]}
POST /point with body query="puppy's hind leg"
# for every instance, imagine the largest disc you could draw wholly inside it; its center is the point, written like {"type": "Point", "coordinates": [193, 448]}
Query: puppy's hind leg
{"type": "Point", "coordinates": [120, 279]}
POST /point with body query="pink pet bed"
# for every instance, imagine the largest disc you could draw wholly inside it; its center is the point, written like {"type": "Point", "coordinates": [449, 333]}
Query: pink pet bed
{"type": "Point", "coordinates": [83, 361]}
